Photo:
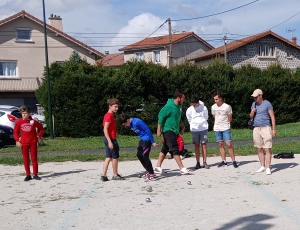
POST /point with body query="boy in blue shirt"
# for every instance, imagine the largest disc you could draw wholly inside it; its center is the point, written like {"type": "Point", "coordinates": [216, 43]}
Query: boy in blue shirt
{"type": "Point", "coordinates": [144, 146]}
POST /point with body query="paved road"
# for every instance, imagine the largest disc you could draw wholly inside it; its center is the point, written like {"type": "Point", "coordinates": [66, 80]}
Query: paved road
{"type": "Point", "coordinates": [133, 149]}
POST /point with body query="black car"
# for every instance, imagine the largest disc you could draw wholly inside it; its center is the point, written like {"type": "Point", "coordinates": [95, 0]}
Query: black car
{"type": "Point", "coordinates": [6, 136]}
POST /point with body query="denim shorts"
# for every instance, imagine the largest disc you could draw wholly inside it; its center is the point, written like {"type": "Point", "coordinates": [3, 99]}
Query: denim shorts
{"type": "Point", "coordinates": [223, 135]}
{"type": "Point", "coordinates": [112, 153]}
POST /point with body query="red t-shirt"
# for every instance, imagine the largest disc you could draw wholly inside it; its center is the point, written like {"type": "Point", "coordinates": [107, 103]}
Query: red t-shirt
{"type": "Point", "coordinates": [27, 130]}
{"type": "Point", "coordinates": [112, 128]}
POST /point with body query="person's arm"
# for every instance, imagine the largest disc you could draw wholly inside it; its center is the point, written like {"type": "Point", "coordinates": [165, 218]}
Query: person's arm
{"type": "Point", "coordinates": [17, 134]}
{"type": "Point", "coordinates": [182, 128]}
{"type": "Point", "coordinates": [273, 120]}
{"type": "Point", "coordinates": [142, 126]}
{"type": "Point", "coordinates": [162, 116]}
{"type": "Point", "coordinates": [229, 113]}
{"type": "Point", "coordinates": [105, 130]}
{"type": "Point", "coordinates": [253, 111]}
{"type": "Point", "coordinates": [205, 113]}
{"type": "Point", "coordinates": [213, 112]}
{"type": "Point", "coordinates": [189, 115]}
{"type": "Point", "coordinates": [41, 129]}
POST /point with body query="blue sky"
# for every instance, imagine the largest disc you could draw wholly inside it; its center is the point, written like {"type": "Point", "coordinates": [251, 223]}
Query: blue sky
{"type": "Point", "coordinates": [107, 25]}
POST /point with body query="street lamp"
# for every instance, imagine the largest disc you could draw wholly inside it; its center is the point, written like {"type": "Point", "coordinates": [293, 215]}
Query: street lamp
{"type": "Point", "coordinates": [47, 75]}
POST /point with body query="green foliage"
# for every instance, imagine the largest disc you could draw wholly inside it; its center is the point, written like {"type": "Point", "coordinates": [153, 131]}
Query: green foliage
{"type": "Point", "coordinates": [79, 92]}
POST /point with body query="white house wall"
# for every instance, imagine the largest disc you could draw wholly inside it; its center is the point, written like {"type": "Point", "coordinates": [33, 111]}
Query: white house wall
{"type": "Point", "coordinates": [148, 54]}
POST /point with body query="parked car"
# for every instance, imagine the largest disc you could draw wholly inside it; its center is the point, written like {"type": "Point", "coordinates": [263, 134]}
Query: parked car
{"type": "Point", "coordinates": [8, 117]}
{"type": "Point", "coordinates": [40, 118]}
{"type": "Point", "coordinates": [6, 136]}
{"type": "Point", "coordinates": [8, 107]}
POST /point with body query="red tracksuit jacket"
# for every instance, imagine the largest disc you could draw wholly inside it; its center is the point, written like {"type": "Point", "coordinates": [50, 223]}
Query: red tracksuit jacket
{"type": "Point", "coordinates": [27, 129]}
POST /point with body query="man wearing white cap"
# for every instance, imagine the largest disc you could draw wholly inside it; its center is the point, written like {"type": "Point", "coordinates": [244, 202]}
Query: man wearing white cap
{"type": "Point", "coordinates": [264, 119]}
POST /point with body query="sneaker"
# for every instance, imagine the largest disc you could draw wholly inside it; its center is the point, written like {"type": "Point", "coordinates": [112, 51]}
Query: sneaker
{"type": "Point", "coordinates": [27, 178]}
{"type": "Point", "coordinates": [117, 177]}
{"type": "Point", "coordinates": [198, 165]}
{"type": "Point", "coordinates": [146, 174]}
{"type": "Point", "coordinates": [235, 164]}
{"type": "Point", "coordinates": [268, 171]}
{"type": "Point", "coordinates": [261, 169]}
{"type": "Point", "coordinates": [206, 166]}
{"type": "Point", "coordinates": [103, 178]}
{"type": "Point", "coordinates": [36, 177]}
{"type": "Point", "coordinates": [151, 177]}
{"type": "Point", "coordinates": [222, 164]}
{"type": "Point", "coordinates": [184, 171]}
{"type": "Point", "coordinates": [158, 170]}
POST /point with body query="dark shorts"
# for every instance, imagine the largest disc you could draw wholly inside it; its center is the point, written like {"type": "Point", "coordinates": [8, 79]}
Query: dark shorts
{"type": "Point", "coordinates": [200, 137]}
{"type": "Point", "coordinates": [170, 143]}
{"type": "Point", "coordinates": [112, 153]}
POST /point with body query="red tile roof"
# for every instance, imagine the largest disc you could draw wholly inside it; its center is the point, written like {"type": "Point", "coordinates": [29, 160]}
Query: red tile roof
{"type": "Point", "coordinates": [113, 59]}
{"type": "Point", "coordinates": [162, 41]}
{"type": "Point", "coordinates": [241, 42]}
{"type": "Point", "coordinates": [25, 14]}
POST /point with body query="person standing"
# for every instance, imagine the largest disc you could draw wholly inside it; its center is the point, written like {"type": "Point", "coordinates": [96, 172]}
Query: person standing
{"type": "Point", "coordinates": [144, 146]}
{"type": "Point", "coordinates": [222, 114]}
{"type": "Point", "coordinates": [169, 121]}
{"type": "Point", "coordinates": [264, 118]}
{"type": "Point", "coordinates": [110, 140]}
{"type": "Point", "coordinates": [26, 134]}
{"type": "Point", "coordinates": [197, 116]}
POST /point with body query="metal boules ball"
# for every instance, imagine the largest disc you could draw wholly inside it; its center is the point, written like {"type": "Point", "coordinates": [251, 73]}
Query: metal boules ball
{"type": "Point", "coordinates": [148, 200]}
{"type": "Point", "coordinates": [189, 183]}
{"type": "Point", "coordinates": [149, 189]}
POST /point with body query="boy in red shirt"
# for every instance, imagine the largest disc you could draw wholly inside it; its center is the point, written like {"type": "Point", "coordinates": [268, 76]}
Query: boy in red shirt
{"type": "Point", "coordinates": [110, 140]}
{"type": "Point", "coordinates": [26, 136]}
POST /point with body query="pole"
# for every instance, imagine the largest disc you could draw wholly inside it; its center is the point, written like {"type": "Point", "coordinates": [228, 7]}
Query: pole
{"type": "Point", "coordinates": [47, 76]}
{"type": "Point", "coordinates": [170, 46]}
{"type": "Point", "coordinates": [225, 51]}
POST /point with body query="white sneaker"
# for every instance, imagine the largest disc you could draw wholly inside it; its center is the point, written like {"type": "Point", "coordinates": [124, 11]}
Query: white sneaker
{"type": "Point", "coordinates": [268, 171]}
{"type": "Point", "coordinates": [184, 171]}
{"type": "Point", "coordinates": [261, 169]}
{"type": "Point", "coordinates": [158, 170]}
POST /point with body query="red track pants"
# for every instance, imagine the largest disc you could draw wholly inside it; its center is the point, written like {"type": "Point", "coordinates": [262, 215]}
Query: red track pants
{"type": "Point", "coordinates": [26, 160]}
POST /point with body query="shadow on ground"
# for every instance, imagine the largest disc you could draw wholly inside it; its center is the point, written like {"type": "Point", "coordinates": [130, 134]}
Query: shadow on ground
{"type": "Point", "coordinates": [281, 166]}
{"type": "Point", "coordinates": [253, 222]}
{"type": "Point", "coordinates": [62, 173]}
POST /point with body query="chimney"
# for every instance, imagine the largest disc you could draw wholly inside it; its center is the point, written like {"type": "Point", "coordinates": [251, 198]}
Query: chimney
{"type": "Point", "coordinates": [294, 40]}
{"type": "Point", "coordinates": [106, 52]}
{"type": "Point", "coordinates": [56, 22]}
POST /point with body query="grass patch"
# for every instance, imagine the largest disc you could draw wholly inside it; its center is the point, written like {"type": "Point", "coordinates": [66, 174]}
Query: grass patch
{"type": "Point", "coordinates": [129, 156]}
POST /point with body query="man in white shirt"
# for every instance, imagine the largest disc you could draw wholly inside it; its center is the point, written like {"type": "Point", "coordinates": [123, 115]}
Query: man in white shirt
{"type": "Point", "coordinates": [197, 115]}
{"type": "Point", "coordinates": [222, 114]}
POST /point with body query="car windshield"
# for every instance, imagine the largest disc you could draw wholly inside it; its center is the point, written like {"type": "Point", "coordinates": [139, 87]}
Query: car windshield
{"type": "Point", "coordinates": [16, 113]}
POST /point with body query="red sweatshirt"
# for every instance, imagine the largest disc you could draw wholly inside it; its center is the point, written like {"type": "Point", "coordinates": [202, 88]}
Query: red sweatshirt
{"type": "Point", "coordinates": [27, 129]}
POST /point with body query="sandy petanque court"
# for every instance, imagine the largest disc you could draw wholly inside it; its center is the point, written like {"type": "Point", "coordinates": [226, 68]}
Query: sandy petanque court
{"type": "Point", "coordinates": [71, 196]}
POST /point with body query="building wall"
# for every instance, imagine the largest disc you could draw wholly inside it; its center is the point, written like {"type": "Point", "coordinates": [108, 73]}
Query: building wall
{"type": "Point", "coordinates": [30, 56]}
{"type": "Point", "coordinates": [187, 49]}
{"type": "Point", "coordinates": [148, 54]}
{"type": "Point", "coordinates": [236, 59]}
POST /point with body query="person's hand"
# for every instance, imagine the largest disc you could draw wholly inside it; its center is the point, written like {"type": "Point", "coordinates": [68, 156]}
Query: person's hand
{"type": "Point", "coordinates": [253, 110]}
{"type": "Point", "coordinates": [18, 144]}
{"type": "Point", "coordinates": [274, 132]}
{"type": "Point", "coordinates": [154, 144]}
{"type": "Point", "coordinates": [158, 133]}
{"type": "Point", "coordinates": [110, 145]}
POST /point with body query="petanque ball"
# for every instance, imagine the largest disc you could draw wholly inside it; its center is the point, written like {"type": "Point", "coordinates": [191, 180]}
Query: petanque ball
{"type": "Point", "coordinates": [189, 183]}
{"type": "Point", "coordinates": [148, 200]}
{"type": "Point", "coordinates": [149, 189]}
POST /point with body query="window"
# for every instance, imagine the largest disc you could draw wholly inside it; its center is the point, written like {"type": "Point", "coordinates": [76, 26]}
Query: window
{"type": "Point", "coordinates": [139, 56]}
{"type": "Point", "coordinates": [8, 69]}
{"type": "Point", "coordinates": [266, 51]}
{"type": "Point", "coordinates": [156, 57]}
{"type": "Point", "coordinates": [243, 52]}
{"type": "Point", "coordinates": [23, 34]}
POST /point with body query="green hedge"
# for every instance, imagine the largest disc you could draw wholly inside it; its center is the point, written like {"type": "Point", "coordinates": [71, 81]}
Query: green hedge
{"type": "Point", "coordinates": [79, 92]}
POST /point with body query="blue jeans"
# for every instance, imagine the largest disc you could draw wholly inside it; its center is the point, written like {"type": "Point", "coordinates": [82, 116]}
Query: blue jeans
{"type": "Point", "coordinates": [223, 135]}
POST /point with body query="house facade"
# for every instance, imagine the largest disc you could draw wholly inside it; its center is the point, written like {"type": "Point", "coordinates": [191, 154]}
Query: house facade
{"type": "Point", "coordinates": [165, 50]}
{"type": "Point", "coordinates": [22, 56]}
{"type": "Point", "coordinates": [261, 50]}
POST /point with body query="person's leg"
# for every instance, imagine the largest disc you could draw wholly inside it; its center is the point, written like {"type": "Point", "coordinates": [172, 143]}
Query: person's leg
{"type": "Point", "coordinates": [160, 159]}
{"type": "Point", "coordinates": [139, 154]}
{"type": "Point", "coordinates": [34, 161]}
{"type": "Point", "coordinates": [268, 157]}
{"type": "Point", "coordinates": [26, 161]}
{"type": "Point", "coordinates": [266, 134]}
{"type": "Point", "coordinates": [203, 141]}
{"type": "Point", "coordinates": [115, 158]}
{"type": "Point", "coordinates": [106, 161]}
{"type": "Point", "coordinates": [162, 155]}
{"type": "Point", "coordinates": [258, 143]}
{"type": "Point", "coordinates": [222, 151]}
{"type": "Point", "coordinates": [146, 159]}
{"type": "Point", "coordinates": [196, 142]}
{"type": "Point", "coordinates": [230, 150]}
